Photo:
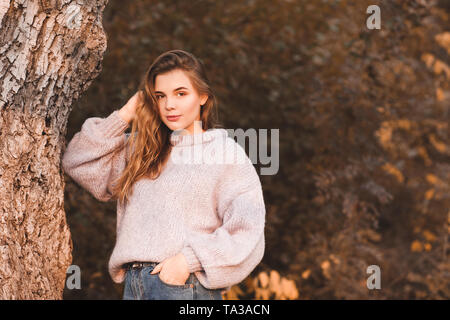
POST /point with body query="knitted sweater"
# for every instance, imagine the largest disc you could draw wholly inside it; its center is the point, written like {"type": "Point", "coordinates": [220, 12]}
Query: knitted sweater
{"type": "Point", "coordinates": [212, 211]}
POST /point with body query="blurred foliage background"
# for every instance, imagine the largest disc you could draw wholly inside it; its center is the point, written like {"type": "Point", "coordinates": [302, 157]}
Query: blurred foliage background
{"type": "Point", "coordinates": [364, 152]}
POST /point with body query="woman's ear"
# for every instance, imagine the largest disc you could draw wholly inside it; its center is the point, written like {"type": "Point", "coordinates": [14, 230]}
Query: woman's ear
{"type": "Point", "coordinates": [203, 100]}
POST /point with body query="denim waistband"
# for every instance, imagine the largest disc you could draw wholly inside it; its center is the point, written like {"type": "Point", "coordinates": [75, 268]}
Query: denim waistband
{"type": "Point", "coordinates": [139, 264]}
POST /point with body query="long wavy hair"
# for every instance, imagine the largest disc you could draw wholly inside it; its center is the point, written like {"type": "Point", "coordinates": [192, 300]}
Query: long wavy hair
{"type": "Point", "coordinates": [149, 140]}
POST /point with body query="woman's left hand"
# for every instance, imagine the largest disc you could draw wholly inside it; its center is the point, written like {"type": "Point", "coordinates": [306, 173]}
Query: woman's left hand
{"type": "Point", "coordinates": [174, 270]}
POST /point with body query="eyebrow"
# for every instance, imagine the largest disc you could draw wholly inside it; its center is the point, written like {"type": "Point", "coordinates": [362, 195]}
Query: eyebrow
{"type": "Point", "coordinates": [179, 88]}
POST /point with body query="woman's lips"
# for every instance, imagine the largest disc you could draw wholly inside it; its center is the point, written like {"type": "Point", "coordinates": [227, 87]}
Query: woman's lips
{"type": "Point", "coordinates": [173, 118]}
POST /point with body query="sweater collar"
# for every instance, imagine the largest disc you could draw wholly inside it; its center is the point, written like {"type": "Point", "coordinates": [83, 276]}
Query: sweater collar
{"type": "Point", "coordinates": [199, 138]}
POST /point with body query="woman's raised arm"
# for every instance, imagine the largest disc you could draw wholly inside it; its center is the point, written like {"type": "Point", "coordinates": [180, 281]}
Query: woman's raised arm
{"type": "Point", "coordinates": [96, 155]}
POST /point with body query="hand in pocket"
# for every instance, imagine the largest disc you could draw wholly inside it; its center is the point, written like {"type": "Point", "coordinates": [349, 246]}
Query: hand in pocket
{"type": "Point", "coordinates": [173, 270]}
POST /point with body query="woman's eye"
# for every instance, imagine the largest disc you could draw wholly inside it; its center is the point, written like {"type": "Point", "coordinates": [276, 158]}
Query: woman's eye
{"type": "Point", "coordinates": [157, 97]}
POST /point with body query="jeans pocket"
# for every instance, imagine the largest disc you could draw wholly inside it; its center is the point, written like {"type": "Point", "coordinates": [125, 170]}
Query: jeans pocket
{"type": "Point", "coordinates": [182, 286]}
{"type": "Point", "coordinates": [156, 289]}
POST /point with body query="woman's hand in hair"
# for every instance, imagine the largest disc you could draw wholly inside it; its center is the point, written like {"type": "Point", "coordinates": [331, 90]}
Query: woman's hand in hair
{"type": "Point", "coordinates": [173, 270]}
{"type": "Point", "coordinates": [128, 111]}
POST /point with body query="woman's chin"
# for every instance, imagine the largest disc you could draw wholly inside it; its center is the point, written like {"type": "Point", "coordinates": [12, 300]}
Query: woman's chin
{"type": "Point", "coordinates": [175, 127]}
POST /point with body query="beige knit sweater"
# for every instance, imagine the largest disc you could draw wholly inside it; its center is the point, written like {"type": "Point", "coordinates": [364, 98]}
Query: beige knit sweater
{"type": "Point", "coordinates": [212, 211]}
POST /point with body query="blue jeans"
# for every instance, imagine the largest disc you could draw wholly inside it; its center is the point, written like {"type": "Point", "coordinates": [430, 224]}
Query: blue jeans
{"type": "Point", "coordinates": [141, 285]}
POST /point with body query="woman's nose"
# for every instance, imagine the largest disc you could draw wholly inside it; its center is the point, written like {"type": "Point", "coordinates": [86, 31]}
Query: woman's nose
{"type": "Point", "coordinates": [169, 104]}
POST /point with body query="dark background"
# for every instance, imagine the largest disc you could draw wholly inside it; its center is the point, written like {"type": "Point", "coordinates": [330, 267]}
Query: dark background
{"type": "Point", "coordinates": [363, 121]}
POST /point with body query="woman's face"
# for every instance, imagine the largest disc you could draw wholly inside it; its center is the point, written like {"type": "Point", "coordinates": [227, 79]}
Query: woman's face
{"type": "Point", "coordinates": [176, 96]}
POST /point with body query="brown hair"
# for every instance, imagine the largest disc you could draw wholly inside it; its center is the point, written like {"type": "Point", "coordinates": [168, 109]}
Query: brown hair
{"type": "Point", "coordinates": [149, 139]}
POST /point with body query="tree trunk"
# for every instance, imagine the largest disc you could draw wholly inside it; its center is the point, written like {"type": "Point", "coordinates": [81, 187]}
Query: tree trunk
{"type": "Point", "coordinates": [50, 51]}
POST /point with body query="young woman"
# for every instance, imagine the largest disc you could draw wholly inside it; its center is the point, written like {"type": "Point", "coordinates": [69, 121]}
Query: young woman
{"type": "Point", "coordinates": [185, 229]}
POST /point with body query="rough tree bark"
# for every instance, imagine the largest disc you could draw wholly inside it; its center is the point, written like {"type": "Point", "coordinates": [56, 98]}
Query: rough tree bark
{"type": "Point", "coordinates": [50, 52]}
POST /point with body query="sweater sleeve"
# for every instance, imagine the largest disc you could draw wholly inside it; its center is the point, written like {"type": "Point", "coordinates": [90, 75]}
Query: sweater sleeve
{"type": "Point", "coordinates": [95, 156]}
{"type": "Point", "coordinates": [230, 253]}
